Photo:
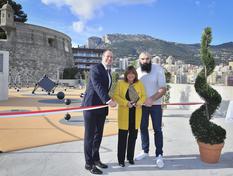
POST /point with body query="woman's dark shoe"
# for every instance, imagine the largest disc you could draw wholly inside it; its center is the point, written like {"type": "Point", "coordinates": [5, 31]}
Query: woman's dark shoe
{"type": "Point", "coordinates": [131, 162]}
{"type": "Point", "coordinates": [122, 164]}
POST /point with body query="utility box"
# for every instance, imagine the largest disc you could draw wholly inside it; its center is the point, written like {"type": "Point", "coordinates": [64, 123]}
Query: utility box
{"type": "Point", "coordinates": [4, 74]}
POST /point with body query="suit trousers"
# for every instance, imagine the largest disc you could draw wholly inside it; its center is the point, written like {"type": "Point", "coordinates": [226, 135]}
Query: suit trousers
{"type": "Point", "coordinates": [94, 126]}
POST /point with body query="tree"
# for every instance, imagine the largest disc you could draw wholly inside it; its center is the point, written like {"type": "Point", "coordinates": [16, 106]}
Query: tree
{"type": "Point", "coordinates": [135, 63]}
{"type": "Point", "coordinates": [168, 80]}
{"type": "Point", "coordinates": [203, 129]}
{"type": "Point", "coordinates": [86, 77]}
{"type": "Point", "coordinates": [115, 77]}
{"type": "Point", "coordinates": [69, 73]}
{"type": "Point", "coordinates": [19, 15]}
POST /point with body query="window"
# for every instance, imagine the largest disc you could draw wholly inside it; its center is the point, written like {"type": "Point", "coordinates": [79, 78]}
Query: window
{"type": "Point", "coordinates": [51, 42]}
{"type": "Point", "coordinates": [2, 34]}
{"type": "Point", "coordinates": [65, 45]}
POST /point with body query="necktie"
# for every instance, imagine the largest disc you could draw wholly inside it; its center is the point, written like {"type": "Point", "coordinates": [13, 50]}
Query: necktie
{"type": "Point", "coordinates": [109, 77]}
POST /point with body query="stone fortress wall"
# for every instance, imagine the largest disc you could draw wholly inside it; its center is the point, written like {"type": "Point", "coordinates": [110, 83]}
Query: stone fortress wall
{"type": "Point", "coordinates": [35, 51]}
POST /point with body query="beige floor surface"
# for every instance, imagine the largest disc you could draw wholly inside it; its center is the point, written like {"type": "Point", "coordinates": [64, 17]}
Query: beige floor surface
{"type": "Point", "coordinates": [27, 132]}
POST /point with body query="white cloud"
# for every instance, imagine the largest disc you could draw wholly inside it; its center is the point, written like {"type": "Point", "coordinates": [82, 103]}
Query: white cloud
{"type": "Point", "coordinates": [82, 27]}
{"type": "Point", "coordinates": [74, 44]}
{"type": "Point", "coordinates": [56, 2]}
{"type": "Point", "coordinates": [211, 7]}
{"type": "Point", "coordinates": [78, 26]}
{"type": "Point", "coordinates": [197, 3]}
{"type": "Point", "coordinates": [86, 10]}
{"type": "Point", "coordinates": [100, 28]}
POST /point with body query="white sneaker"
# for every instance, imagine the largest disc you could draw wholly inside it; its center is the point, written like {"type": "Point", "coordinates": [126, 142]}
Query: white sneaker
{"type": "Point", "coordinates": [159, 161]}
{"type": "Point", "coordinates": [141, 156]}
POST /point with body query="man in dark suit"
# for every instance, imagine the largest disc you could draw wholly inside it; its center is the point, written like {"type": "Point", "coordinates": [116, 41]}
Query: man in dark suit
{"type": "Point", "coordinates": [98, 86]}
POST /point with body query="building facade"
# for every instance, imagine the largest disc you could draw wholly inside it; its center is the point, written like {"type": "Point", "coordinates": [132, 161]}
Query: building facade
{"type": "Point", "coordinates": [84, 58]}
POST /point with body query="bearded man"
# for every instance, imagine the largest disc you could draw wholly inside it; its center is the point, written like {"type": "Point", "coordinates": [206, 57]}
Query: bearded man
{"type": "Point", "coordinates": [153, 78]}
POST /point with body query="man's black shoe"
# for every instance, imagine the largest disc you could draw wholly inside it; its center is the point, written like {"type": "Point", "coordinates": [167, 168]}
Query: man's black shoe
{"type": "Point", "coordinates": [88, 167]}
{"type": "Point", "coordinates": [93, 169]}
{"type": "Point", "coordinates": [101, 165]}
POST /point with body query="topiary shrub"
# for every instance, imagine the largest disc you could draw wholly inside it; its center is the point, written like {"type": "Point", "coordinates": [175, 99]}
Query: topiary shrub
{"type": "Point", "coordinates": [202, 128]}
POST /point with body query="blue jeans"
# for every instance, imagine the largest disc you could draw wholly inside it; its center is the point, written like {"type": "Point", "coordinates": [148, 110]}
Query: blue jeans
{"type": "Point", "coordinates": [156, 115]}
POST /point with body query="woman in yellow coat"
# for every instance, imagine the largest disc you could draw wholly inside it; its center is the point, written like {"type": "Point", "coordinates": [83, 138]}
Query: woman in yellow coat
{"type": "Point", "coordinates": [129, 113]}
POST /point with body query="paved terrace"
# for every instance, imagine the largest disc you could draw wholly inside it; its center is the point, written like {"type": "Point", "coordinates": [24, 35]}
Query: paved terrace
{"type": "Point", "coordinates": [181, 154]}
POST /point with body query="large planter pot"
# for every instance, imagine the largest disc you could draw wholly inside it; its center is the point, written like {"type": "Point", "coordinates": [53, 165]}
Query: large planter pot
{"type": "Point", "coordinates": [210, 153]}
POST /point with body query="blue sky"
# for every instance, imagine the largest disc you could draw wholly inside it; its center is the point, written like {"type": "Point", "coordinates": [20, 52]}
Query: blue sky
{"type": "Point", "coordinates": [179, 21]}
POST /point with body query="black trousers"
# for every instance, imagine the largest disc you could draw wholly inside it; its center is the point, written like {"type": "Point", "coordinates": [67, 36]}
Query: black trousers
{"type": "Point", "coordinates": [126, 138]}
{"type": "Point", "coordinates": [94, 126]}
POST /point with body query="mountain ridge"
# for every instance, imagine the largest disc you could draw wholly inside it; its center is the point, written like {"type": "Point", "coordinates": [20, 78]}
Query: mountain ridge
{"type": "Point", "coordinates": [130, 45]}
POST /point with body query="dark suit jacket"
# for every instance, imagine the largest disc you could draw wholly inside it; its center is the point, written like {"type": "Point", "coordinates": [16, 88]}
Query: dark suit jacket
{"type": "Point", "coordinates": [97, 89]}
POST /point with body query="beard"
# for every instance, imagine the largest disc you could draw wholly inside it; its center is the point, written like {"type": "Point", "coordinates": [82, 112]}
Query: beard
{"type": "Point", "coordinates": [146, 67]}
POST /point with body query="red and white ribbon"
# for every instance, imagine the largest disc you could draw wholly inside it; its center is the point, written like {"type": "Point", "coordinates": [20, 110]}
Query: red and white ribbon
{"type": "Point", "coordinates": [66, 110]}
{"type": "Point", "coordinates": [49, 112]}
{"type": "Point", "coordinates": [184, 104]}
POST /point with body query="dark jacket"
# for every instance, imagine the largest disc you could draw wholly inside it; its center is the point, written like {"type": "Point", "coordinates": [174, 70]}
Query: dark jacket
{"type": "Point", "coordinates": [97, 89]}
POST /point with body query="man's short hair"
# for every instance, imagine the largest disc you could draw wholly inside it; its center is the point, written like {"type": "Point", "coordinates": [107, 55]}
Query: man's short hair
{"type": "Point", "coordinates": [106, 52]}
{"type": "Point", "coordinates": [146, 54]}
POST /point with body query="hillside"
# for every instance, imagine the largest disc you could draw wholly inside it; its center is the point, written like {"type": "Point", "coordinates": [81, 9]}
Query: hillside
{"type": "Point", "coordinates": [124, 45]}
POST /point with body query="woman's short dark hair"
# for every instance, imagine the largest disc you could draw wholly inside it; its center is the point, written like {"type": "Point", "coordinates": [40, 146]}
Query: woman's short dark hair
{"type": "Point", "coordinates": [130, 69]}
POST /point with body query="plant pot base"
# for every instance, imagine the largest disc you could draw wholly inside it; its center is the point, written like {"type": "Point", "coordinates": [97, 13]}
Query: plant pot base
{"type": "Point", "coordinates": [210, 153]}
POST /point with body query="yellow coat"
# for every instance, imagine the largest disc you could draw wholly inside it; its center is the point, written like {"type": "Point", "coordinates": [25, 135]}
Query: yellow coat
{"type": "Point", "coordinates": [123, 109]}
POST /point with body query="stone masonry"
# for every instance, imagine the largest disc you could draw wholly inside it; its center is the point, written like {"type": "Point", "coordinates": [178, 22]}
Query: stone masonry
{"type": "Point", "coordinates": [35, 51]}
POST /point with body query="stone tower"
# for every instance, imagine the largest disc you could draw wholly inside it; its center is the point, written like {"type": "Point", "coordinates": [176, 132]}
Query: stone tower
{"type": "Point", "coordinates": [7, 20]}
{"type": "Point", "coordinates": [33, 50]}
